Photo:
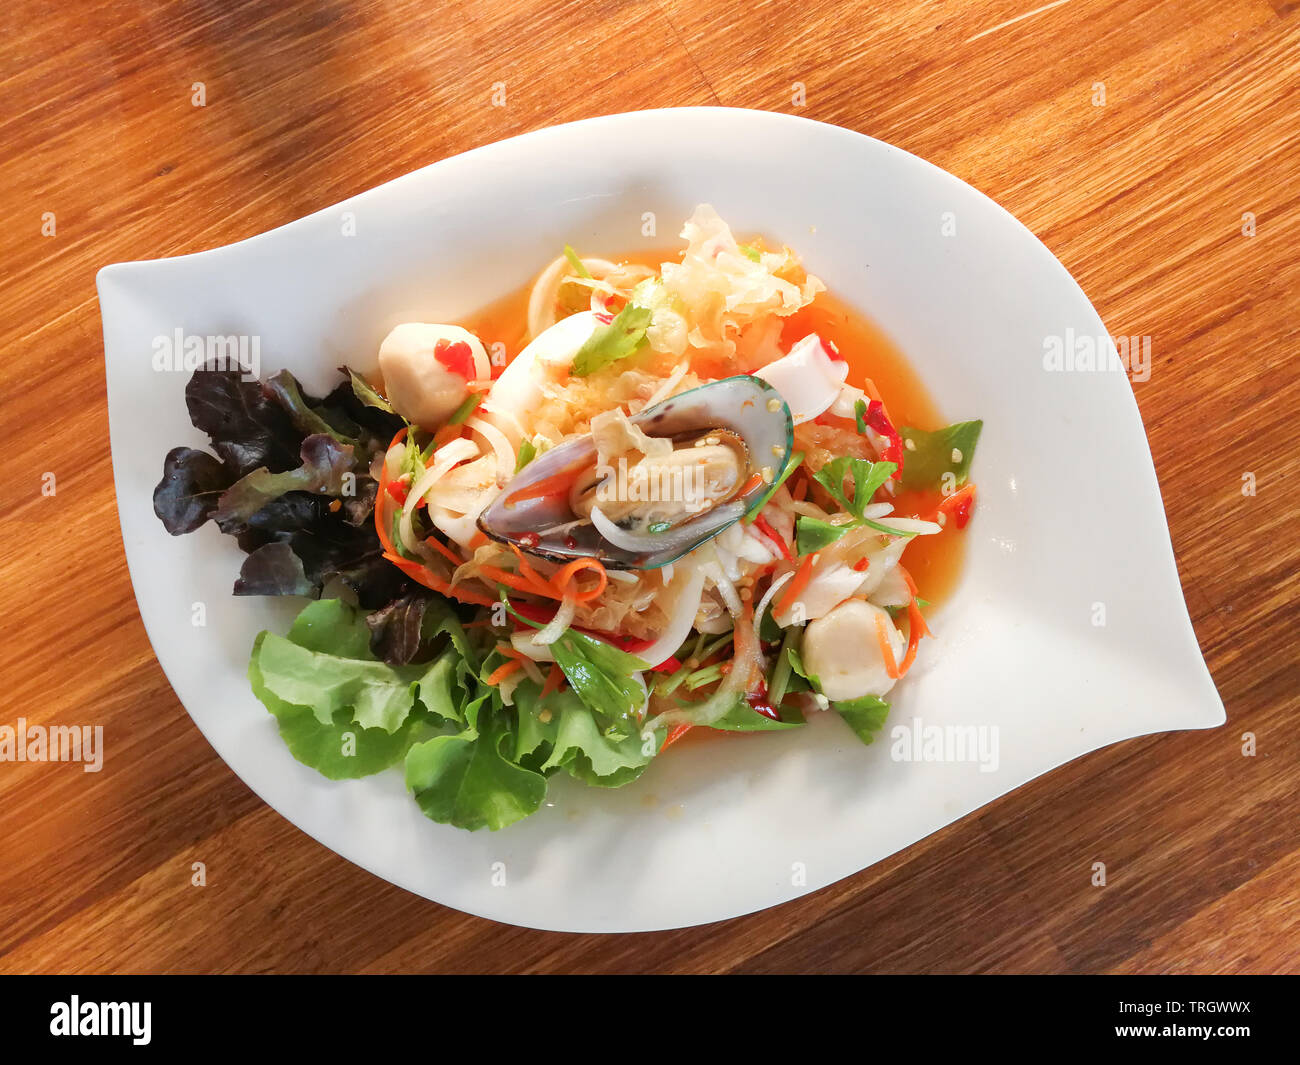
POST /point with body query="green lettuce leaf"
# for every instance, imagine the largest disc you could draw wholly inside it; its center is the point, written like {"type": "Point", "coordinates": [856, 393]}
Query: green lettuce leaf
{"type": "Point", "coordinates": [341, 749]}
{"type": "Point", "coordinates": [335, 745]}
{"type": "Point", "coordinates": [326, 666]}
{"type": "Point", "coordinates": [465, 780]}
{"type": "Point", "coordinates": [929, 455]}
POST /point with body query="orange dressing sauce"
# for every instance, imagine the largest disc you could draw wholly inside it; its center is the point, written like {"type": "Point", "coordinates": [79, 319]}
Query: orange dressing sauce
{"type": "Point", "coordinates": [934, 562]}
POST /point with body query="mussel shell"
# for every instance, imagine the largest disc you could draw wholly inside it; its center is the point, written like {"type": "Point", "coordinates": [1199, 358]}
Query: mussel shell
{"type": "Point", "coordinates": [739, 404]}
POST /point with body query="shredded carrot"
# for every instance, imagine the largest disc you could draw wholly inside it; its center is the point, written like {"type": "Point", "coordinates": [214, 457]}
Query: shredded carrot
{"type": "Point", "coordinates": [886, 648]}
{"type": "Point", "coordinates": [540, 584]}
{"type": "Point", "coordinates": [754, 481]}
{"type": "Point", "coordinates": [800, 490]}
{"type": "Point", "coordinates": [518, 583]}
{"type": "Point", "coordinates": [381, 519]}
{"type": "Point", "coordinates": [477, 540]}
{"type": "Point", "coordinates": [916, 626]}
{"type": "Point", "coordinates": [429, 579]}
{"type": "Point", "coordinates": [443, 436]}
{"type": "Point", "coordinates": [444, 550]}
{"type": "Point", "coordinates": [796, 586]}
{"type": "Point", "coordinates": [502, 671]}
{"type": "Point", "coordinates": [674, 734]}
{"type": "Point", "coordinates": [553, 680]}
{"type": "Point", "coordinates": [560, 582]}
{"type": "Point", "coordinates": [911, 587]}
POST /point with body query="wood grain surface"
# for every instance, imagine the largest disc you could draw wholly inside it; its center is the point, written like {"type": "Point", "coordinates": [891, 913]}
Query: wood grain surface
{"type": "Point", "coordinates": [1143, 196]}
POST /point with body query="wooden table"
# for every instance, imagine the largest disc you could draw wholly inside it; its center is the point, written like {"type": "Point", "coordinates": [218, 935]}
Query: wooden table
{"type": "Point", "coordinates": [1134, 137]}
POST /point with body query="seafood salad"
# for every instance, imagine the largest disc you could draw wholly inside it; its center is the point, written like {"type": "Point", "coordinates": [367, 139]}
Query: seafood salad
{"type": "Point", "coordinates": [670, 505]}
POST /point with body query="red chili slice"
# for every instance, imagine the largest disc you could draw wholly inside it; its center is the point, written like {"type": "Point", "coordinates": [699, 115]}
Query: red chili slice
{"type": "Point", "coordinates": [457, 357]}
{"type": "Point", "coordinates": [875, 419]}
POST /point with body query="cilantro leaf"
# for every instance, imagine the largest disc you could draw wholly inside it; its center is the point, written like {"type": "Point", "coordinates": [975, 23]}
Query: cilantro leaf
{"type": "Point", "coordinates": [866, 476]}
{"type": "Point", "coordinates": [620, 338]}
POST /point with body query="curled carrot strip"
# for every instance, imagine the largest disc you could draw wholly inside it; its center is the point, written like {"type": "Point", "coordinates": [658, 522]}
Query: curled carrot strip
{"type": "Point", "coordinates": [560, 582]}
{"type": "Point", "coordinates": [502, 671]}
{"type": "Point", "coordinates": [911, 587]}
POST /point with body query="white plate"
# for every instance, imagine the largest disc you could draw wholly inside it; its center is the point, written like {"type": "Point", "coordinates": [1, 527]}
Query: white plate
{"type": "Point", "coordinates": [1069, 524]}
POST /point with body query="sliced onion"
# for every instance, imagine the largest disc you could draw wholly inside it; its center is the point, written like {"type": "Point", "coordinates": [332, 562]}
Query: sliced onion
{"type": "Point", "coordinates": [509, 423]}
{"type": "Point", "coordinates": [650, 543]}
{"type": "Point", "coordinates": [449, 455]}
{"type": "Point", "coordinates": [556, 627]}
{"type": "Point", "coordinates": [689, 583]}
{"type": "Point", "coordinates": [523, 643]}
{"type": "Point", "coordinates": [768, 595]}
{"type": "Point", "coordinates": [622, 576]}
{"type": "Point", "coordinates": [497, 440]}
{"type": "Point", "coordinates": [726, 589]}
{"type": "Point", "coordinates": [914, 526]}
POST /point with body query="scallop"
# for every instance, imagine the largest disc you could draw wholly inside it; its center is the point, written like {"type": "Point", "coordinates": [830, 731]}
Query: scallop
{"type": "Point", "coordinates": [725, 442]}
